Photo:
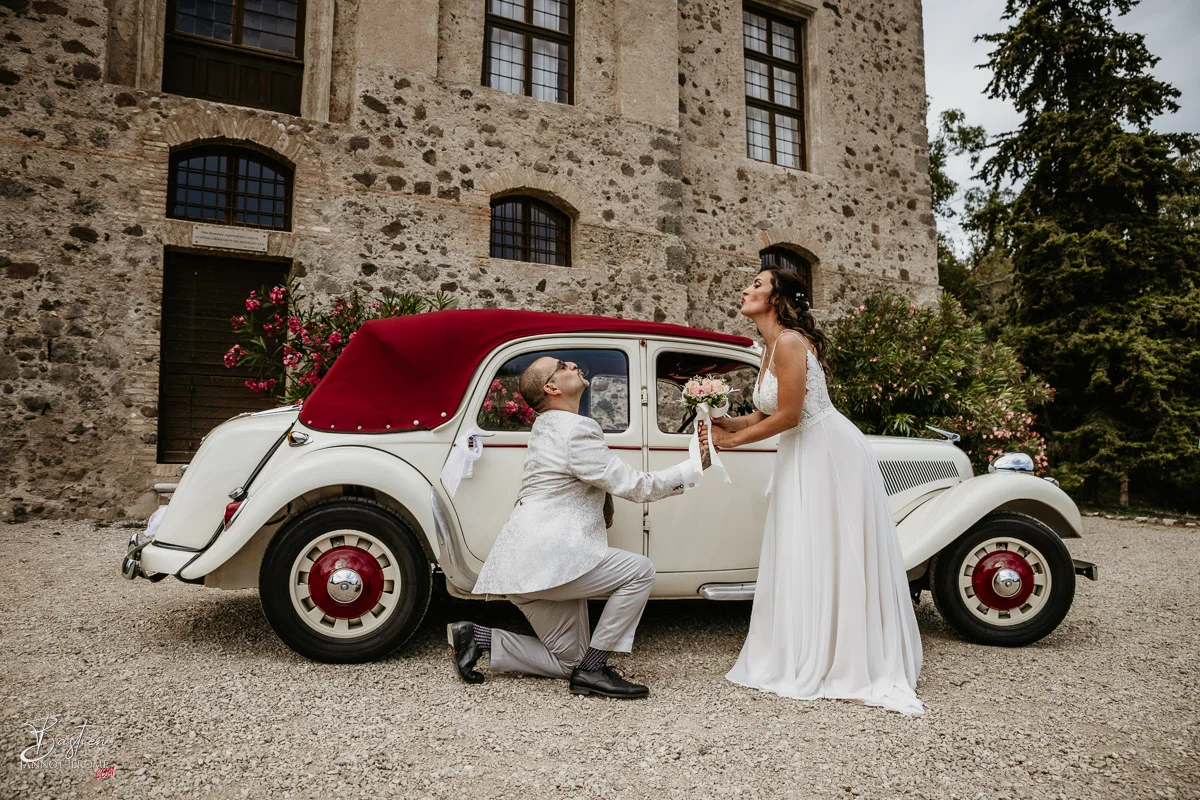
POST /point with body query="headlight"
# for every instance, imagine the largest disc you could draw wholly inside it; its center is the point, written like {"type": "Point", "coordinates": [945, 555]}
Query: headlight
{"type": "Point", "coordinates": [1012, 462]}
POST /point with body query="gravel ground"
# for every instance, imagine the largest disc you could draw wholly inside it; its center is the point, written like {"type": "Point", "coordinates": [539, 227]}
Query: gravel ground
{"type": "Point", "coordinates": [187, 692]}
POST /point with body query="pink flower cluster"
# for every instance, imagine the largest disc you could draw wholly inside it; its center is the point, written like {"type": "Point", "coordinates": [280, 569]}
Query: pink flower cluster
{"type": "Point", "coordinates": [231, 357]}
{"type": "Point", "coordinates": [705, 388]}
{"type": "Point", "coordinates": [503, 411]}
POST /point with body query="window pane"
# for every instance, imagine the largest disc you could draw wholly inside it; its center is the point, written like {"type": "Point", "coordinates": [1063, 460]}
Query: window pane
{"type": "Point", "coordinates": [545, 234]}
{"type": "Point", "coordinates": [783, 40]}
{"type": "Point", "coordinates": [756, 79]}
{"type": "Point", "coordinates": [506, 61]}
{"type": "Point", "coordinates": [754, 31]}
{"type": "Point", "coordinates": [787, 141]}
{"type": "Point", "coordinates": [550, 14]}
{"type": "Point", "coordinates": [271, 25]}
{"type": "Point", "coordinates": [508, 230]}
{"type": "Point", "coordinates": [513, 9]}
{"type": "Point", "coordinates": [758, 133]}
{"type": "Point", "coordinates": [786, 88]}
{"type": "Point", "coordinates": [208, 18]}
{"type": "Point", "coordinates": [549, 71]}
{"type": "Point", "coordinates": [672, 370]}
{"type": "Point", "coordinates": [208, 199]}
{"type": "Point", "coordinates": [605, 400]}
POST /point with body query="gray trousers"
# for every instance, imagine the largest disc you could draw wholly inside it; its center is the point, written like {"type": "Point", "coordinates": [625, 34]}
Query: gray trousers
{"type": "Point", "coordinates": [559, 617]}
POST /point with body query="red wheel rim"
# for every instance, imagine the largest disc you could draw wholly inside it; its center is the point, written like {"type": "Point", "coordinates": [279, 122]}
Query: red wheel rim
{"type": "Point", "coordinates": [984, 576]}
{"type": "Point", "coordinates": [354, 558]}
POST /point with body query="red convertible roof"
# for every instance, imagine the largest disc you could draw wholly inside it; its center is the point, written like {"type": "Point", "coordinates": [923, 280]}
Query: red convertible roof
{"type": "Point", "coordinates": [410, 373]}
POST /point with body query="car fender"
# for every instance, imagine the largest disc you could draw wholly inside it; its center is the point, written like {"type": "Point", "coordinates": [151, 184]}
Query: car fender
{"type": "Point", "coordinates": [933, 525]}
{"type": "Point", "coordinates": [346, 464]}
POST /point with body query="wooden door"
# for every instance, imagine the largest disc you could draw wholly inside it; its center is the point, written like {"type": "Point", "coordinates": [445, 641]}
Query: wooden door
{"type": "Point", "coordinates": [196, 390]}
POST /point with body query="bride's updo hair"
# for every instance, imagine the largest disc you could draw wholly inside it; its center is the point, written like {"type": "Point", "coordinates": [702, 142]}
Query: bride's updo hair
{"type": "Point", "coordinates": [793, 309]}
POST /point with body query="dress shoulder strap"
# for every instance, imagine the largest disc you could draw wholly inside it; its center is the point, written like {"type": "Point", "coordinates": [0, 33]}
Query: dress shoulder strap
{"type": "Point", "coordinates": [803, 340]}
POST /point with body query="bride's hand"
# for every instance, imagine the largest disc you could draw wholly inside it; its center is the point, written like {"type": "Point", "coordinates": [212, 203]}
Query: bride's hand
{"type": "Point", "coordinates": [721, 438]}
{"type": "Point", "coordinates": [726, 423]}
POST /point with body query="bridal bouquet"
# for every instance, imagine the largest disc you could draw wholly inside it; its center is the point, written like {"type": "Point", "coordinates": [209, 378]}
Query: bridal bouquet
{"type": "Point", "coordinates": [708, 395]}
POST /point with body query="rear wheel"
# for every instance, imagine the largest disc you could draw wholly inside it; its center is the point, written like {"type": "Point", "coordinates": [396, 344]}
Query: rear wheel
{"type": "Point", "coordinates": [1007, 581]}
{"type": "Point", "coordinates": [345, 582]}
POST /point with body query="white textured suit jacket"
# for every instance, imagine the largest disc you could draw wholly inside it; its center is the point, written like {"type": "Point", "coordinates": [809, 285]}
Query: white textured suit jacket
{"type": "Point", "coordinates": [556, 530]}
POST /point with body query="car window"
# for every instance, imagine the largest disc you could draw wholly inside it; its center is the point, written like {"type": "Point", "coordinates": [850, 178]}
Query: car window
{"type": "Point", "coordinates": [606, 399]}
{"type": "Point", "coordinates": [672, 370]}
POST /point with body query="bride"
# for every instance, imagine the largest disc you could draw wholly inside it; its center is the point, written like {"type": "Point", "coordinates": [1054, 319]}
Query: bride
{"type": "Point", "coordinates": [832, 616]}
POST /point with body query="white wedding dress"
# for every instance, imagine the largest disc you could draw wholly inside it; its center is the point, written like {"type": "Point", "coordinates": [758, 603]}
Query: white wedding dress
{"type": "Point", "coordinates": [832, 616]}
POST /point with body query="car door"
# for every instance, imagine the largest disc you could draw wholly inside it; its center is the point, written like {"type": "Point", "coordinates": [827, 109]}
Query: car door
{"type": "Point", "coordinates": [483, 502]}
{"type": "Point", "coordinates": [716, 527]}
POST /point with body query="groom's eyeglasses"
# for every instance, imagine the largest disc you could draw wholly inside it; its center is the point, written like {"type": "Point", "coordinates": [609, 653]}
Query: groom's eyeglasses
{"type": "Point", "coordinates": [560, 367]}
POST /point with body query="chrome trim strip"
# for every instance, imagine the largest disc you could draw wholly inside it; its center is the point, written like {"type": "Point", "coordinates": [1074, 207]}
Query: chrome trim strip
{"type": "Point", "coordinates": [727, 591]}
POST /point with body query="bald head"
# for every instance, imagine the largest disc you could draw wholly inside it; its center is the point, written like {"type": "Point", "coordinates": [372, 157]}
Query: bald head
{"type": "Point", "coordinates": [533, 382]}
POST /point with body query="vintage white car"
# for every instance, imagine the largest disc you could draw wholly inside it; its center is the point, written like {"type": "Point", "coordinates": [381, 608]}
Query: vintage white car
{"type": "Point", "coordinates": [338, 512]}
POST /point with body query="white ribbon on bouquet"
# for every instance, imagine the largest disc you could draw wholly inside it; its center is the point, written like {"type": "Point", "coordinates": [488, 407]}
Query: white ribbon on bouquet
{"type": "Point", "coordinates": [461, 464]}
{"type": "Point", "coordinates": [706, 414]}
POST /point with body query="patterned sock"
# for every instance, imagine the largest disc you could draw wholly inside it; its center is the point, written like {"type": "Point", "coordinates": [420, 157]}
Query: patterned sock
{"type": "Point", "coordinates": [593, 660]}
{"type": "Point", "coordinates": [483, 637]}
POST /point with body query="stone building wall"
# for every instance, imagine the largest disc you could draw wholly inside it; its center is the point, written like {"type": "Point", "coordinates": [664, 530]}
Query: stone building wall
{"type": "Point", "coordinates": [397, 156]}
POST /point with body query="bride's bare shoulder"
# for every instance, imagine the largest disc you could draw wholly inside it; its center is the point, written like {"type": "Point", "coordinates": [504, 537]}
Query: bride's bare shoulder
{"type": "Point", "coordinates": [791, 347]}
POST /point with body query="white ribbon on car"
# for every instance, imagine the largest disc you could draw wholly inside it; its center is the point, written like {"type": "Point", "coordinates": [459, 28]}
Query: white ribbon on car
{"type": "Point", "coordinates": [461, 464]}
{"type": "Point", "coordinates": [706, 414]}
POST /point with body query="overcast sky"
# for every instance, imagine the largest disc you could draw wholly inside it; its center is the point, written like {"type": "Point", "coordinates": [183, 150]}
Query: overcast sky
{"type": "Point", "coordinates": [1171, 27]}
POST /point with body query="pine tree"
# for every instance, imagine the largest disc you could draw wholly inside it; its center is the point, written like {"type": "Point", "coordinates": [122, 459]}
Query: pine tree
{"type": "Point", "coordinates": [1106, 264]}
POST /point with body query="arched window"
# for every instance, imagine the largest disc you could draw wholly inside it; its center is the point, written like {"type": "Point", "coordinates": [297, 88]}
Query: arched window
{"type": "Point", "coordinates": [225, 185]}
{"type": "Point", "coordinates": [783, 258]}
{"type": "Point", "coordinates": [525, 229]}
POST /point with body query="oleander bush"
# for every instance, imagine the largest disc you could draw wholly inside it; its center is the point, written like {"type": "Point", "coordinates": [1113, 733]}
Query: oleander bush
{"type": "Point", "coordinates": [895, 368]}
{"type": "Point", "coordinates": [290, 341]}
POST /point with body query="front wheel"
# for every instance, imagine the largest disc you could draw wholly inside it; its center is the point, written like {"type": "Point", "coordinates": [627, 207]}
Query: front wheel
{"type": "Point", "coordinates": [1008, 581]}
{"type": "Point", "coordinates": [345, 582]}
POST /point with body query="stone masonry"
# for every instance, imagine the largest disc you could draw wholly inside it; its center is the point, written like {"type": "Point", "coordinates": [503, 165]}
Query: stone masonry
{"type": "Point", "coordinates": [397, 154]}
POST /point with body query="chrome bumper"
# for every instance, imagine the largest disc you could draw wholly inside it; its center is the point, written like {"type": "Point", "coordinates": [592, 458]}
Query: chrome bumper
{"type": "Point", "coordinates": [1086, 568]}
{"type": "Point", "coordinates": [131, 565]}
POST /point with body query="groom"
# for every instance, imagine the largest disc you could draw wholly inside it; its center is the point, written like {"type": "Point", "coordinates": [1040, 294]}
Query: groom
{"type": "Point", "coordinates": [553, 553]}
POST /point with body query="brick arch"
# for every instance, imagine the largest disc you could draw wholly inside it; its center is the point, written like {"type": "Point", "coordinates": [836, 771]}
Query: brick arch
{"type": "Point", "coordinates": [260, 133]}
{"type": "Point", "coordinates": [806, 245]}
{"type": "Point", "coordinates": [553, 189]}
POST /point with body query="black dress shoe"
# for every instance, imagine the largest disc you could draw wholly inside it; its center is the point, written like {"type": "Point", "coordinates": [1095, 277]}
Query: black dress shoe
{"type": "Point", "coordinates": [461, 636]}
{"type": "Point", "coordinates": [606, 682]}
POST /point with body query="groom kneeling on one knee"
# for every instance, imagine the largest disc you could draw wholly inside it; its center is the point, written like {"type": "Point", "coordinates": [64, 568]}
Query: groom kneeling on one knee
{"type": "Point", "coordinates": [553, 553]}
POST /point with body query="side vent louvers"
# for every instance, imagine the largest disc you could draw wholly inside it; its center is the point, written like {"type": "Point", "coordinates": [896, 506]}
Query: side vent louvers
{"type": "Point", "coordinates": [899, 476]}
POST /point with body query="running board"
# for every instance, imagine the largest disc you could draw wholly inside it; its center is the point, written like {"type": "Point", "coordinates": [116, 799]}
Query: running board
{"type": "Point", "coordinates": [1086, 568]}
{"type": "Point", "coordinates": [727, 591]}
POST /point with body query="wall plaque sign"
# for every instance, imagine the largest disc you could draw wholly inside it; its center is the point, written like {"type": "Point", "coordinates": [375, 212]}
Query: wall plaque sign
{"type": "Point", "coordinates": [229, 238]}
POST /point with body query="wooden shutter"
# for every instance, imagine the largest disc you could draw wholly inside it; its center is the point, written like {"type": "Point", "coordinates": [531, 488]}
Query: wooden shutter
{"type": "Point", "coordinates": [196, 391]}
{"type": "Point", "coordinates": [229, 74]}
